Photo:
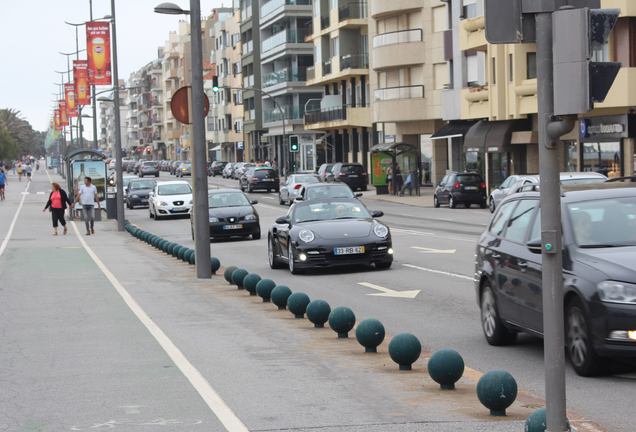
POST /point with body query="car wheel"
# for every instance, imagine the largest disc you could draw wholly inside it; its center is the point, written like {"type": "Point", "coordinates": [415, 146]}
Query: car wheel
{"type": "Point", "coordinates": [256, 236]}
{"type": "Point", "coordinates": [467, 205]}
{"type": "Point", "coordinates": [451, 202]}
{"type": "Point", "coordinates": [491, 205]}
{"type": "Point", "coordinates": [273, 261]}
{"type": "Point", "coordinates": [192, 231]}
{"type": "Point", "coordinates": [280, 199]}
{"type": "Point", "coordinates": [494, 331]}
{"type": "Point", "coordinates": [249, 188]}
{"type": "Point", "coordinates": [150, 215]}
{"type": "Point", "coordinates": [483, 205]}
{"type": "Point", "coordinates": [435, 201]}
{"type": "Point", "coordinates": [292, 265]}
{"type": "Point", "coordinates": [585, 361]}
{"type": "Point", "coordinates": [383, 265]}
{"type": "Point", "coordinates": [156, 175]}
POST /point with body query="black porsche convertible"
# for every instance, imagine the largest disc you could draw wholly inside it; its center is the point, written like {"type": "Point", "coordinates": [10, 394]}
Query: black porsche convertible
{"type": "Point", "coordinates": [329, 232]}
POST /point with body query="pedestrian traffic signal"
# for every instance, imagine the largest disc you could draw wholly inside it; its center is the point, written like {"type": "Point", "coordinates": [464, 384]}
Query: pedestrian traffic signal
{"type": "Point", "coordinates": [215, 84]}
{"type": "Point", "coordinates": [293, 143]}
{"type": "Point", "coordinates": [579, 81]}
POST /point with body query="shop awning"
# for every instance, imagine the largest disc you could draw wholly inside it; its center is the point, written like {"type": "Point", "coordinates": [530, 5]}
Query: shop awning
{"type": "Point", "coordinates": [454, 129]}
{"type": "Point", "coordinates": [493, 136]}
{"type": "Point", "coordinates": [475, 139]}
{"type": "Point", "coordinates": [216, 148]}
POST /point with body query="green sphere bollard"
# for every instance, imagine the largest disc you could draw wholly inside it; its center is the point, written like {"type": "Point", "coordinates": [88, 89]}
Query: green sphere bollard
{"type": "Point", "coordinates": [446, 367]}
{"type": "Point", "coordinates": [370, 334]}
{"type": "Point", "coordinates": [154, 240]}
{"type": "Point", "coordinates": [264, 289]}
{"type": "Point", "coordinates": [228, 273]}
{"type": "Point", "coordinates": [318, 312]}
{"type": "Point", "coordinates": [193, 258]}
{"type": "Point", "coordinates": [182, 252]}
{"type": "Point", "coordinates": [166, 246]}
{"type": "Point", "coordinates": [279, 296]}
{"type": "Point", "coordinates": [215, 264]}
{"type": "Point", "coordinates": [172, 247]}
{"type": "Point", "coordinates": [175, 250]}
{"type": "Point", "coordinates": [537, 421]}
{"type": "Point", "coordinates": [138, 233]}
{"type": "Point", "coordinates": [238, 276]}
{"type": "Point", "coordinates": [186, 255]}
{"type": "Point", "coordinates": [249, 283]}
{"type": "Point", "coordinates": [160, 244]}
{"type": "Point", "coordinates": [341, 320]}
{"type": "Point", "coordinates": [150, 239]}
{"type": "Point", "coordinates": [405, 349]}
{"type": "Point", "coordinates": [143, 236]}
{"type": "Point", "coordinates": [497, 390]}
{"type": "Point", "coordinates": [297, 304]}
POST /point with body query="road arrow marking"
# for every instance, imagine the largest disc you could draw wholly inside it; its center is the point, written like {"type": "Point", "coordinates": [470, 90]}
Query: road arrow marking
{"type": "Point", "coordinates": [439, 251]}
{"type": "Point", "coordinates": [386, 292]}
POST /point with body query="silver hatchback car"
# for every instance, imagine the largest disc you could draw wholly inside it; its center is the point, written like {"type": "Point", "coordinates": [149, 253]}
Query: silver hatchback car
{"type": "Point", "coordinates": [149, 168]}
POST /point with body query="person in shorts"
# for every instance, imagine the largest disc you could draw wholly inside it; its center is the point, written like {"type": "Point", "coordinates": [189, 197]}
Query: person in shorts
{"type": "Point", "coordinates": [3, 182]}
{"type": "Point", "coordinates": [20, 171]}
{"type": "Point", "coordinates": [88, 194]}
{"type": "Point", "coordinates": [28, 169]}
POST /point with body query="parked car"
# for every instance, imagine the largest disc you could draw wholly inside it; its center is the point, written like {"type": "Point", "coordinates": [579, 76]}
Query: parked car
{"type": "Point", "coordinates": [260, 178]}
{"type": "Point", "coordinates": [290, 188]}
{"type": "Point", "coordinates": [501, 191]}
{"type": "Point", "coordinates": [170, 198]}
{"type": "Point", "coordinates": [149, 168]}
{"type": "Point", "coordinates": [184, 169]}
{"type": "Point", "coordinates": [231, 214]}
{"type": "Point", "coordinates": [599, 251]}
{"type": "Point", "coordinates": [352, 174]}
{"type": "Point", "coordinates": [137, 165]}
{"type": "Point", "coordinates": [173, 167]}
{"type": "Point", "coordinates": [329, 232]}
{"type": "Point", "coordinates": [128, 165]}
{"type": "Point", "coordinates": [239, 171]}
{"type": "Point", "coordinates": [312, 191]}
{"type": "Point", "coordinates": [125, 181]}
{"type": "Point", "coordinates": [460, 188]}
{"type": "Point", "coordinates": [138, 191]}
{"type": "Point", "coordinates": [227, 170]}
{"type": "Point", "coordinates": [164, 165]}
{"type": "Point", "coordinates": [216, 168]}
{"type": "Point", "coordinates": [324, 171]}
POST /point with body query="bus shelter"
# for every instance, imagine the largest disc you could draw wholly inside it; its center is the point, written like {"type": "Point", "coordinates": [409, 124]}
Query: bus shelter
{"type": "Point", "coordinates": [385, 155]}
{"type": "Point", "coordinates": [82, 163]}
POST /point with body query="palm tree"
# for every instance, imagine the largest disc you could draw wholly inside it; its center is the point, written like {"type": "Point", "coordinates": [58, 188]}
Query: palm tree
{"type": "Point", "coordinates": [19, 129]}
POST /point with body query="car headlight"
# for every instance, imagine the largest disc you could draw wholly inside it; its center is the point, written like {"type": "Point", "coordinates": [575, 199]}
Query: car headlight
{"type": "Point", "coordinates": [306, 236]}
{"type": "Point", "coordinates": [161, 203]}
{"type": "Point", "coordinates": [213, 219]}
{"type": "Point", "coordinates": [134, 196]}
{"type": "Point", "coordinates": [617, 292]}
{"type": "Point", "coordinates": [190, 202]}
{"type": "Point", "coordinates": [380, 230]}
{"type": "Point", "coordinates": [250, 217]}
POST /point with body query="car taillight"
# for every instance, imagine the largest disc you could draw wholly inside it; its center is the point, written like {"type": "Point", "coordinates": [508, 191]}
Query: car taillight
{"type": "Point", "coordinates": [254, 179]}
{"type": "Point", "coordinates": [456, 185]}
{"type": "Point", "coordinates": [483, 185]}
{"type": "Point", "coordinates": [364, 174]}
{"type": "Point", "coordinates": [157, 167]}
{"type": "Point", "coordinates": [342, 175]}
{"type": "Point", "coordinates": [297, 186]}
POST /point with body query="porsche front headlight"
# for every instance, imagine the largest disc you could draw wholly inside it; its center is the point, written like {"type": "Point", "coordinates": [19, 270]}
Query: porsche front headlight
{"type": "Point", "coordinates": [306, 236]}
{"type": "Point", "coordinates": [380, 230]}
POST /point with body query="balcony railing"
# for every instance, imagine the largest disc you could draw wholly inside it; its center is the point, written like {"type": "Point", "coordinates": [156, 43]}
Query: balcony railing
{"type": "Point", "coordinates": [324, 22]}
{"type": "Point", "coordinates": [397, 37]}
{"type": "Point", "coordinates": [284, 75]}
{"type": "Point", "coordinates": [270, 7]}
{"type": "Point", "coordinates": [393, 93]}
{"type": "Point", "coordinates": [311, 73]}
{"type": "Point", "coordinates": [326, 115]}
{"type": "Point", "coordinates": [354, 61]}
{"type": "Point", "coordinates": [353, 11]}
{"type": "Point", "coordinates": [309, 27]}
{"type": "Point", "coordinates": [326, 68]}
{"type": "Point", "coordinates": [291, 113]}
{"type": "Point", "coordinates": [286, 36]}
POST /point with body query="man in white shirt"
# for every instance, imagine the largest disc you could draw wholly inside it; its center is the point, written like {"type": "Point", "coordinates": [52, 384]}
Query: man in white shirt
{"type": "Point", "coordinates": [28, 169]}
{"type": "Point", "coordinates": [88, 194]}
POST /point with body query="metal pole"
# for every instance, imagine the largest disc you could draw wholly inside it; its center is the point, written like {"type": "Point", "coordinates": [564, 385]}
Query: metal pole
{"type": "Point", "coordinates": [94, 102]}
{"type": "Point", "coordinates": [199, 149]}
{"type": "Point", "coordinates": [552, 259]}
{"type": "Point", "coordinates": [118, 171]}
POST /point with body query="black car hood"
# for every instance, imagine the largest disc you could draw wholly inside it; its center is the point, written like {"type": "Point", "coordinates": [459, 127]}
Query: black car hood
{"type": "Point", "coordinates": [617, 263]}
{"type": "Point", "coordinates": [223, 212]}
{"type": "Point", "coordinates": [340, 228]}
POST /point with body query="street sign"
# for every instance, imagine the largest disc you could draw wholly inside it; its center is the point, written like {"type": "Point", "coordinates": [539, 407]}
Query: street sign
{"type": "Point", "coordinates": [178, 150]}
{"type": "Point", "coordinates": [181, 103]}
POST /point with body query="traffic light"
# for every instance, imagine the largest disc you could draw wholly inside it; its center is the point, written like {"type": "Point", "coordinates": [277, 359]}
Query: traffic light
{"type": "Point", "coordinates": [215, 84]}
{"type": "Point", "coordinates": [579, 82]}
{"type": "Point", "coordinates": [293, 143]}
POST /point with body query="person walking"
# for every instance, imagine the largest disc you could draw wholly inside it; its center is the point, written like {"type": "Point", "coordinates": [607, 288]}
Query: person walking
{"type": "Point", "coordinates": [13, 166]}
{"type": "Point", "coordinates": [88, 194]}
{"type": "Point", "coordinates": [20, 171]}
{"type": "Point", "coordinates": [3, 182]}
{"type": "Point", "coordinates": [389, 178]}
{"type": "Point", "coordinates": [57, 205]}
{"type": "Point", "coordinates": [29, 169]}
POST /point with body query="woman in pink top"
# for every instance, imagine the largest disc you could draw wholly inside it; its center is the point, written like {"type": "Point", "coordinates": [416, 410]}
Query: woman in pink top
{"type": "Point", "coordinates": [57, 204]}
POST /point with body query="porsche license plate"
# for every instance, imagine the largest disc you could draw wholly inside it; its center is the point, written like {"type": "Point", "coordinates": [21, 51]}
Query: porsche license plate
{"type": "Point", "coordinates": [229, 227]}
{"type": "Point", "coordinates": [349, 250]}
{"type": "Point", "coordinates": [470, 187]}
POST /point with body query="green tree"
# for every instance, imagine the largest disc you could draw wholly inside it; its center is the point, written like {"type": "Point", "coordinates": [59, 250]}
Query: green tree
{"type": "Point", "coordinates": [19, 129]}
{"type": "Point", "coordinates": [8, 147]}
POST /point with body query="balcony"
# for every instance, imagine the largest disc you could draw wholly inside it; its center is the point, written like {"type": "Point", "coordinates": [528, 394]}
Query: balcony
{"type": "Point", "coordinates": [171, 74]}
{"type": "Point", "coordinates": [326, 68]}
{"type": "Point", "coordinates": [291, 112]}
{"type": "Point", "coordinates": [174, 134]}
{"type": "Point", "coordinates": [309, 28]}
{"type": "Point", "coordinates": [353, 11]}
{"type": "Point", "coordinates": [397, 37]}
{"type": "Point", "coordinates": [475, 104]}
{"type": "Point", "coordinates": [271, 6]}
{"type": "Point", "coordinates": [382, 8]}
{"type": "Point", "coordinates": [286, 36]}
{"type": "Point", "coordinates": [398, 49]}
{"type": "Point", "coordinates": [337, 117]}
{"type": "Point", "coordinates": [399, 104]}
{"type": "Point", "coordinates": [393, 93]}
{"type": "Point", "coordinates": [311, 73]}
{"type": "Point", "coordinates": [284, 75]}
{"type": "Point", "coordinates": [623, 91]}
{"type": "Point", "coordinates": [472, 34]}
{"type": "Point", "coordinates": [324, 22]}
{"type": "Point", "coordinates": [354, 61]}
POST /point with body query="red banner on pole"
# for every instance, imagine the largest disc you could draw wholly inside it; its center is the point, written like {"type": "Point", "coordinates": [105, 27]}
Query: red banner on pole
{"type": "Point", "coordinates": [56, 119]}
{"type": "Point", "coordinates": [98, 49]}
{"type": "Point", "coordinates": [63, 115]}
{"type": "Point", "coordinates": [80, 78]}
{"type": "Point", "coordinates": [69, 95]}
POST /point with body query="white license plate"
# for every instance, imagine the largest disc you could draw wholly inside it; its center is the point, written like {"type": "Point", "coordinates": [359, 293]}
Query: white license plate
{"type": "Point", "coordinates": [178, 209]}
{"type": "Point", "coordinates": [143, 200]}
{"type": "Point", "coordinates": [230, 227]}
{"type": "Point", "coordinates": [470, 187]}
{"type": "Point", "coordinates": [353, 175]}
{"type": "Point", "coordinates": [349, 250]}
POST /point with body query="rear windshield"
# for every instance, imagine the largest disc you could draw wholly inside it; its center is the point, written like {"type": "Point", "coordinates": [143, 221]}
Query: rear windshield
{"type": "Point", "coordinates": [265, 173]}
{"type": "Point", "coordinates": [329, 191]}
{"type": "Point", "coordinates": [149, 163]}
{"type": "Point", "coordinates": [308, 179]}
{"type": "Point", "coordinates": [174, 189]}
{"type": "Point", "coordinates": [469, 179]}
{"type": "Point", "coordinates": [352, 169]}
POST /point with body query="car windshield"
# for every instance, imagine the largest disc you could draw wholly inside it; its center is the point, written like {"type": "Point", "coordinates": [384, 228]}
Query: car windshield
{"type": "Point", "coordinates": [175, 189]}
{"type": "Point", "coordinates": [265, 173]}
{"type": "Point", "coordinates": [352, 169]}
{"type": "Point", "coordinates": [126, 181]}
{"type": "Point", "coordinates": [467, 179]}
{"type": "Point", "coordinates": [307, 179]}
{"type": "Point", "coordinates": [329, 191]}
{"type": "Point", "coordinates": [329, 210]}
{"type": "Point", "coordinates": [230, 199]}
{"type": "Point", "coordinates": [604, 223]}
{"type": "Point", "coordinates": [149, 163]}
{"type": "Point", "coordinates": [144, 184]}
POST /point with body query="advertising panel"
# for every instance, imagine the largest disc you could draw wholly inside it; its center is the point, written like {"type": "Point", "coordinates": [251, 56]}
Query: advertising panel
{"type": "Point", "coordinates": [63, 115]}
{"type": "Point", "coordinates": [57, 120]}
{"type": "Point", "coordinates": [96, 170]}
{"type": "Point", "coordinates": [69, 95]}
{"type": "Point", "coordinates": [80, 79]}
{"type": "Point", "coordinates": [380, 163]}
{"type": "Point", "coordinates": [98, 50]}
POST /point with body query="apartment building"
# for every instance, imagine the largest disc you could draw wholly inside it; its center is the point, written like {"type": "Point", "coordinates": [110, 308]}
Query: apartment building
{"type": "Point", "coordinates": [505, 139]}
{"type": "Point", "coordinates": [171, 126]}
{"type": "Point", "coordinates": [107, 121]}
{"type": "Point", "coordinates": [285, 55]}
{"type": "Point", "coordinates": [339, 32]}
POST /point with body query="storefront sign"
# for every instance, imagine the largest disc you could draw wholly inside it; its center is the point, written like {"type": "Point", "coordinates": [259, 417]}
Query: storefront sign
{"type": "Point", "coordinates": [239, 145]}
{"type": "Point", "coordinates": [607, 128]}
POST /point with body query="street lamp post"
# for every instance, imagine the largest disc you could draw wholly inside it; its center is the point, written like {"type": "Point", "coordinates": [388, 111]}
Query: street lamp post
{"type": "Point", "coordinates": [199, 147]}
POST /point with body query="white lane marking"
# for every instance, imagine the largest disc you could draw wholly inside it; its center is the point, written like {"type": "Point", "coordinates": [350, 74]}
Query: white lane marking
{"type": "Point", "coordinates": [223, 412]}
{"type": "Point", "coordinates": [386, 292]}
{"type": "Point", "coordinates": [439, 272]}
{"type": "Point", "coordinates": [269, 198]}
{"type": "Point", "coordinates": [40, 193]}
{"type": "Point", "coordinates": [26, 193]}
{"type": "Point", "coordinates": [15, 218]}
{"type": "Point", "coordinates": [281, 208]}
{"type": "Point", "coordinates": [429, 234]}
{"type": "Point", "coordinates": [428, 250]}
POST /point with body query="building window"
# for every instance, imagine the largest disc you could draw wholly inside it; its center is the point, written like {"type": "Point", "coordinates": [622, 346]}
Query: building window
{"type": "Point", "coordinates": [494, 71]}
{"type": "Point", "coordinates": [316, 8]}
{"type": "Point", "coordinates": [472, 70]}
{"type": "Point", "coordinates": [531, 67]}
{"type": "Point", "coordinates": [335, 47]}
{"type": "Point", "coordinates": [604, 157]}
{"type": "Point", "coordinates": [334, 4]}
{"type": "Point", "coordinates": [318, 53]}
{"type": "Point", "coordinates": [511, 68]}
{"type": "Point", "coordinates": [470, 9]}
{"type": "Point", "coordinates": [440, 20]}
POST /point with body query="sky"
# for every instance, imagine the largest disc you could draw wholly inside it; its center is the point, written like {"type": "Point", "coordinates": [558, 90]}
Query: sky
{"type": "Point", "coordinates": [33, 33]}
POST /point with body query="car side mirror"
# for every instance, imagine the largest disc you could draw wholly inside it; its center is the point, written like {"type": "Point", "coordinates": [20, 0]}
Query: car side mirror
{"type": "Point", "coordinates": [377, 213]}
{"type": "Point", "coordinates": [283, 220]}
{"type": "Point", "coordinates": [151, 194]}
{"type": "Point", "coordinates": [254, 202]}
{"type": "Point", "coordinates": [534, 246]}
{"type": "Point", "coordinates": [358, 195]}
{"type": "Point", "coordinates": [299, 198]}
